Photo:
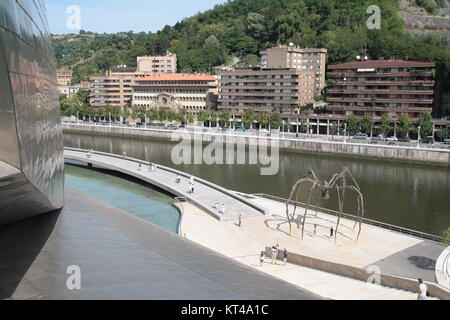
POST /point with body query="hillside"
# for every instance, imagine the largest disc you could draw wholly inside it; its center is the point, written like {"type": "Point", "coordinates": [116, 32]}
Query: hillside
{"type": "Point", "coordinates": [241, 28]}
{"type": "Point", "coordinates": [426, 16]}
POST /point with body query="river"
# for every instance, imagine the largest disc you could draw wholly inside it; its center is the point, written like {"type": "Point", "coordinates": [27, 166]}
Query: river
{"type": "Point", "coordinates": [411, 196]}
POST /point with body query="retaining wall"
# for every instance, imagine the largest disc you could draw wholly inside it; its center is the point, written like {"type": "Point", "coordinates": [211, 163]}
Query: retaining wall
{"type": "Point", "coordinates": [366, 151]}
{"type": "Point", "coordinates": [387, 280]}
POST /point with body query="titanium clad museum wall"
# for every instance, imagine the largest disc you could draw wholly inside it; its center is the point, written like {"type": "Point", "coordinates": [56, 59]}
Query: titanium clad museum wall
{"type": "Point", "coordinates": [31, 143]}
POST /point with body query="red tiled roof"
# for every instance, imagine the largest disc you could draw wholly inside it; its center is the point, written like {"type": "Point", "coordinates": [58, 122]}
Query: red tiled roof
{"type": "Point", "coordinates": [392, 63]}
{"type": "Point", "coordinates": [178, 77]}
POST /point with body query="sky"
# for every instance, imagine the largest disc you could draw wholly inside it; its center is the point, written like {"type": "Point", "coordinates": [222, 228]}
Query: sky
{"type": "Point", "coordinates": [112, 16]}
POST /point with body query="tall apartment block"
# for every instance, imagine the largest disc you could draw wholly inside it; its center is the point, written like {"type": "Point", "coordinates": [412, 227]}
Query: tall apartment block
{"type": "Point", "coordinates": [115, 88]}
{"type": "Point", "coordinates": [265, 89]}
{"type": "Point", "coordinates": [382, 88]}
{"type": "Point", "coordinates": [64, 77]}
{"type": "Point", "coordinates": [307, 59]}
{"type": "Point", "coordinates": [158, 65]}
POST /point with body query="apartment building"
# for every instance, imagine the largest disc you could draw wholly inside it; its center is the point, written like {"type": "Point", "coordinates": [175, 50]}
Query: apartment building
{"type": "Point", "coordinates": [306, 59]}
{"type": "Point", "coordinates": [64, 77]}
{"type": "Point", "coordinates": [190, 92]}
{"type": "Point", "coordinates": [379, 88]}
{"type": "Point", "coordinates": [71, 91]}
{"type": "Point", "coordinates": [265, 89]}
{"type": "Point", "coordinates": [115, 87]}
{"type": "Point", "coordinates": [158, 64]}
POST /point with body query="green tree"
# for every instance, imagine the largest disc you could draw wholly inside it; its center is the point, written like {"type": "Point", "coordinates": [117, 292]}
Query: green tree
{"type": "Point", "coordinates": [303, 126]}
{"type": "Point", "coordinates": [275, 120]}
{"type": "Point", "coordinates": [189, 118]}
{"type": "Point", "coordinates": [224, 118]}
{"type": "Point", "coordinates": [264, 119]}
{"type": "Point", "coordinates": [404, 127]}
{"type": "Point", "coordinates": [203, 117]}
{"type": "Point", "coordinates": [353, 124]}
{"type": "Point", "coordinates": [426, 124]}
{"type": "Point", "coordinates": [366, 125]}
{"type": "Point", "coordinates": [441, 134]}
{"type": "Point", "coordinates": [249, 118]}
{"type": "Point", "coordinates": [385, 126]}
{"type": "Point", "coordinates": [334, 128]}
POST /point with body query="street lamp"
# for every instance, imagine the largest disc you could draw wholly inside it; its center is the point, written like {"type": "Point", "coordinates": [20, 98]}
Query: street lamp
{"type": "Point", "coordinates": [418, 138]}
{"type": "Point", "coordinates": [345, 132]}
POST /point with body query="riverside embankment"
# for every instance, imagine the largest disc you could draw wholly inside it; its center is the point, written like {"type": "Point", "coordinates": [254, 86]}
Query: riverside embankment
{"type": "Point", "coordinates": [407, 154]}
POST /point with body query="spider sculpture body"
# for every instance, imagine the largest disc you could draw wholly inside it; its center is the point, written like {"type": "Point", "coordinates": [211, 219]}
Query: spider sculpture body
{"type": "Point", "coordinates": [337, 183]}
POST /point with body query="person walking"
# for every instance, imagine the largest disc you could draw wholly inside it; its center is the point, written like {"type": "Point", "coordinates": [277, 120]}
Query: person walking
{"type": "Point", "coordinates": [216, 205]}
{"type": "Point", "coordinates": [140, 167]}
{"type": "Point", "coordinates": [261, 258]}
{"type": "Point", "coordinates": [423, 290]}
{"type": "Point", "coordinates": [331, 232]}
{"type": "Point", "coordinates": [285, 256]}
{"type": "Point", "coordinates": [240, 220]}
{"type": "Point", "coordinates": [315, 229]}
{"type": "Point", "coordinates": [273, 252]}
{"type": "Point", "coordinates": [124, 155]}
{"type": "Point", "coordinates": [223, 209]}
{"type": "Point", "coordinates": [178, 179]}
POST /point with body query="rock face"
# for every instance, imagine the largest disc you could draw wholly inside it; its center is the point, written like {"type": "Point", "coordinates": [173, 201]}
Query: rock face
{"type": "Point", "coordinates": [419, 21]}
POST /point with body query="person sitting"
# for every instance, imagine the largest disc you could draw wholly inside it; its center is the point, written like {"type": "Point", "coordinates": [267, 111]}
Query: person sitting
{"type": "Point", "coordinates": [178, 179]}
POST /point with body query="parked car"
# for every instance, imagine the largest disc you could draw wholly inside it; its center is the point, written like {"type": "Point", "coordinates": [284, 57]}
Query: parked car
{"type": "Point", "coordinates": [447, 140]}
{"type": "Point", "coordinates": [172, 126]}
{"type": "Point", "coordinates": [404, 140]}
{"type": "Point", "coordinates": [392, 139]}
{"type": "Point", "coordinates": [125, 123]}
{"type": "Point", "coordinates": [379, 137]}
{"type": "Point", "coordinates": [263, 131]}
{"type": "Point", "coordinates": [429, 139]}
{"type": "Point", "coordinates": [360, 136]}
{"type": "Point", "coordinates": [239, 129]}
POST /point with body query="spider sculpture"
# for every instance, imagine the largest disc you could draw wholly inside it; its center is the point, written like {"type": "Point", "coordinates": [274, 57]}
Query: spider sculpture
{"type": "Point", "coordinates": [339, 183]}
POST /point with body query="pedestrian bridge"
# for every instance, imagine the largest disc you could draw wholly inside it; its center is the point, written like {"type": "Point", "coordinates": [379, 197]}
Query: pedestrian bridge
{"type": "Point", "coordinates": [205, 195]}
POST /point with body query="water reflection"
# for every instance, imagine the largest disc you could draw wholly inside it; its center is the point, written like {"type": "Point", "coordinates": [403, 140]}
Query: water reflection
{"type": "Point", "coordinates": [412, 196]}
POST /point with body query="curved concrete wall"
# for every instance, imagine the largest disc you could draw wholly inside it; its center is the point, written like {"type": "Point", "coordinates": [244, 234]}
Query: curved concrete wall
{"type": "Point", "coordinates": [30, 123]}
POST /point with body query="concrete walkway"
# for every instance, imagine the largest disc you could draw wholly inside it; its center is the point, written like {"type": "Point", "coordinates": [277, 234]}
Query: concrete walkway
{"type": "Point", "coordinates": [245, 243]}
{"type": "Point", "coordinates": [205, 195]}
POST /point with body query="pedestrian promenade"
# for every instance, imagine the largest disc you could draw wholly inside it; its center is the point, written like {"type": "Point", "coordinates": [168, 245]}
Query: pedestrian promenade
{"type": "Point", "coordinates": [211, 198]}
{"type": "Point", "coordinates": [376, 245]}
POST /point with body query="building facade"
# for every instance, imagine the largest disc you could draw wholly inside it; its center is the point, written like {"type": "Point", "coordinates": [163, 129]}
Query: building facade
{"type": "Point", "coordinates": [306, 59]}
{"type": "Point", "coordinates": [64, 77]}
{"type": "Point", "coordinates": [158, 64]}
{"type": "Point", "coordinates": [379, 88]}
{"type": "Point", "coordinates": [71, 91]}
{"type": "Point", "coordinates": [115, 87]}
{"type": "Point", "coordinates": [265, 90]}
{"type": "Point", "coordinates": [189, 92]}
{"type": "Point", "coordinates": [31, 144]}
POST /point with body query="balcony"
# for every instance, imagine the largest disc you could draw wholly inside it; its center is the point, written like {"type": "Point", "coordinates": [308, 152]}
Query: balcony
{"type": "Point", "coordinates": [379, 91]}
{"type": "Point", "coordinates": [377, 100]}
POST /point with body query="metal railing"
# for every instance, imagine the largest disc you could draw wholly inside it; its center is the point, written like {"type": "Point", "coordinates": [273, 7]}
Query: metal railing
{"type": "Point", "coordinates": [414, 233]}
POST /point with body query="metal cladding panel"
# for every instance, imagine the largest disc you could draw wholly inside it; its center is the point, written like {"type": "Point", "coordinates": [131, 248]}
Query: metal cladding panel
{"type": "Point", "coordinates": [30, 121]}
